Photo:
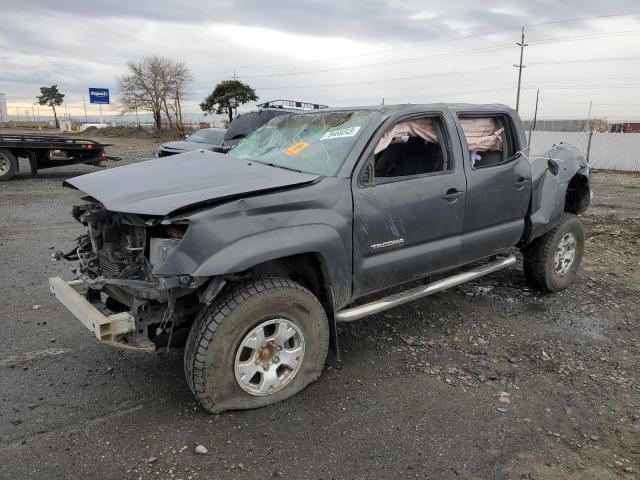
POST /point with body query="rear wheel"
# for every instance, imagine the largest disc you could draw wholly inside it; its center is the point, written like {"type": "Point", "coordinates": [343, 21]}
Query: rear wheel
{"type": "Point", "coordinates": [8, 165]}
{"type": "Point", "coordinates": [551, 262]}
{"type": "Point", "coordinates": [261, 342]}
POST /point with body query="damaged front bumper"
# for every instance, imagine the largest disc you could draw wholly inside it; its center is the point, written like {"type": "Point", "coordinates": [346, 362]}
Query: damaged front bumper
{"type": "Point", "coordinates": [114, 329]}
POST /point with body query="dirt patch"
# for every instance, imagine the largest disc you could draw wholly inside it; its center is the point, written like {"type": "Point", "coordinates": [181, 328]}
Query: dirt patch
{"type": "Point", "coordinates": [162, 135]}
{"type": "Point", "coordinates": [89, 130]}
{"type": "Point", "coordinates": [124, 132]}
{"type": "Point", "coordinates": [171, 134]}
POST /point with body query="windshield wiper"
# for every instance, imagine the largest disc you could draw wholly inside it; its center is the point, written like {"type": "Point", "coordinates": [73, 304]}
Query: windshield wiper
{"type": "Point", "coordinates": [280, 166]}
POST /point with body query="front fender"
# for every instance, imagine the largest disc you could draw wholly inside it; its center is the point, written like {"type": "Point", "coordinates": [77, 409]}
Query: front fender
{"type": "Point", "coordinates": [247, 252]}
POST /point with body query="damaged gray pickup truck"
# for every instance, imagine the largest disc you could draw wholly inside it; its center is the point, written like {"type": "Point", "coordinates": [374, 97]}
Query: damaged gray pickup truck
{"type": "Point", "coordinates": [254, 256]}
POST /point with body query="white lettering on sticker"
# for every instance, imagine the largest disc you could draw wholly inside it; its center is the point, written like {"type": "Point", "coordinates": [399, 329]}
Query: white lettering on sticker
{"type": "Point", "coordinates": [340, 133]}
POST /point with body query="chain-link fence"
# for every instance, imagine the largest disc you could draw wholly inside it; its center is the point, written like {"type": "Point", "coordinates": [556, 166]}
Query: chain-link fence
{"type": "Point", "coordinates": [608, 151]}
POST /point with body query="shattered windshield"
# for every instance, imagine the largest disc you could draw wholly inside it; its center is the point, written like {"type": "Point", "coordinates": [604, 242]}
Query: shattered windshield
{"type": "Point", "coordinates": [313, 143]}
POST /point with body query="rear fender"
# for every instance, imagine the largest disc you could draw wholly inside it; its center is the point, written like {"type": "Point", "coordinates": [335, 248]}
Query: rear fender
{"type": "Point", "coordinates": [552, 173]}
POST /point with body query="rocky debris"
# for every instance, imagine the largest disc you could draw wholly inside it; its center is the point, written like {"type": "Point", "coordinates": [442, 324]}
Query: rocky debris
{"type": "Point", "coordinates": [474, 290]}
{"type": "Point", "coordinates": [503, 397]}
{"type": "Point", "coordinates": [201, 449]}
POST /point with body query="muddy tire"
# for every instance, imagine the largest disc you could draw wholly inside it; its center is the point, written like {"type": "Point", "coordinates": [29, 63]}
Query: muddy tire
{"type": "Point", "coordinates": [8, 165]}
{"type": "Point", "coordinates": [260, 342]}
{"type": "Point", "coordinates": [551, 262]}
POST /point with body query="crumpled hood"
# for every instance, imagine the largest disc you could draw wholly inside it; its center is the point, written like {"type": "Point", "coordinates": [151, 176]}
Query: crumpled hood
{"type": "Point", "coordinates": [163, 185]}
{"type": "Point", "coordinates": [183, 145]}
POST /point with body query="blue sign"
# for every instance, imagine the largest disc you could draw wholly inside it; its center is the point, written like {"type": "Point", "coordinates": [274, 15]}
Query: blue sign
{"type": "Point", "coordinates": [99, 95]}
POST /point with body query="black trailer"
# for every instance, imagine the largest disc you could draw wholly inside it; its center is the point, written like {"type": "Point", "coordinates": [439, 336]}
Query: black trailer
{"type": "Point", "coordinates": [46, 151]}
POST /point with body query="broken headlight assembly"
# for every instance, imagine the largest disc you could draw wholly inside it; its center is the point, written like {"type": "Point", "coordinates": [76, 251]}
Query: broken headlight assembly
{"type": "Point", "coordinates": [162, 244]}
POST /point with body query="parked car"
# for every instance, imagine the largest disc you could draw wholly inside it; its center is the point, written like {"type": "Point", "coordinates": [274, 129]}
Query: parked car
{"type": "Point", "coordinates": [205, 138]}
{"type": "Point", "coordinates": [46, 151]}
{"type": "Point", "coordinates": [246, 123]}
{"type": "Point", "coordinates": [257, 254]}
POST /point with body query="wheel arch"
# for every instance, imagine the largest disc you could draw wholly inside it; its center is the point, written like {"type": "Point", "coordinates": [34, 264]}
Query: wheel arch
{"type": "Point", "coordinates": [308, 269]}
{"type": "Point", "coordinates": [578, 194]}
{"type": "Point", "coordinates": [560, 184]}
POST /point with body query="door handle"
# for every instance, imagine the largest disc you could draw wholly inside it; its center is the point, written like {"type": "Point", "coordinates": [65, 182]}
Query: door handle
{"type": "Point", "coordinates": [520, 183]}
{"type": "Point", "coordinates": [452, 194]}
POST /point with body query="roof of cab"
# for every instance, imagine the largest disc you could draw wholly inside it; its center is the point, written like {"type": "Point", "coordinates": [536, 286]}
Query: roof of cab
{"type": "Point", "coordinates": [418, 107]}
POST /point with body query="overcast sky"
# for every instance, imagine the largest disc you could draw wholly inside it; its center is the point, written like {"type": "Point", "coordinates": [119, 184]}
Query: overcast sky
{"type": "Point", "coordinates": [346, 52]}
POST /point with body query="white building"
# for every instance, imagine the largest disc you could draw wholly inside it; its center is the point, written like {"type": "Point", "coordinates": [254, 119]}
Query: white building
{"type": "Point", "coordinates": [4, 116]}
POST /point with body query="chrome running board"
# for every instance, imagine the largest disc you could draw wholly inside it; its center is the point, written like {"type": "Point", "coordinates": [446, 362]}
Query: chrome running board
{"type": "Point", "coordinates": [356, 313]}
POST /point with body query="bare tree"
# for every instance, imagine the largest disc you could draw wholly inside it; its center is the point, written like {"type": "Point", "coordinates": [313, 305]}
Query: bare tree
{"type": "Point", "coordinates": [157, 85]}
{"type": "Point", "coordinates": [179, 83]}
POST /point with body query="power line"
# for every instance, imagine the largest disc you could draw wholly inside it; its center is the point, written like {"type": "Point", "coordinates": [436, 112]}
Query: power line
{"type": "Point", "coordinates": [441, 55]}
{"type": "Point", "coordinates": [582, 19]}
{"type": "Point", "coordinates": [544, 85]}
{"type": "Point", "coordinates": [379, 52]}
{"type": "Point", "coordinates": [397, 79]}
{"type": "Point", "coordinates": [585, 60]}
{"type": "Point", "coordinates": [589, 36]}
{"type": "Point", "coordinates": [490, 67]}
{"type": "Point", "coordinates": [438, 42]}
{"type": "Point", "coordinates": [390, 62]}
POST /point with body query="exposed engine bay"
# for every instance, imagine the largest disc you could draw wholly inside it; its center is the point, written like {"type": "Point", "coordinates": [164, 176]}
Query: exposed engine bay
{"type": "Point", "coordinates": [115, 258]}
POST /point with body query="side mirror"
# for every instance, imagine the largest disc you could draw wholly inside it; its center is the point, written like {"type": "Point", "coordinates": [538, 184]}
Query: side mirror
{"type": "Point", "coordinates": [366, 174]}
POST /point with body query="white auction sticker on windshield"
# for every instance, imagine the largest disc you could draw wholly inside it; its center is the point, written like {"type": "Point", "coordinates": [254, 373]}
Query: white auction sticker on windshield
{"type": "Point", "coordinates": [340, 133]}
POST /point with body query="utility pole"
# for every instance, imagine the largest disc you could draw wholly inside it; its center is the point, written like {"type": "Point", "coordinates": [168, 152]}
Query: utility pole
{"type": "Point", "coordinates": [535, 118]}
{"type": "Point", "coordinates": [586, 127]}
{"type": "Point", "coordinates": [234, 73]}
{"type": "Point", "coordinates": [84, 105]}
{"type": "Point", "coordinates": [520, 66]}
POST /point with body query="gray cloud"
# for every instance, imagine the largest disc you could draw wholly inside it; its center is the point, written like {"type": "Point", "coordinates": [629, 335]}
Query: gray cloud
{"type": "Point", "coordinates": [383, 20]}
{"type": "Point", "coordinates": [82, 43]}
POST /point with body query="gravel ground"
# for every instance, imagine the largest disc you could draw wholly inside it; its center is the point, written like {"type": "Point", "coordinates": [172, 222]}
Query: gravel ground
{"type": "Point", "coordinates": [487, 381]}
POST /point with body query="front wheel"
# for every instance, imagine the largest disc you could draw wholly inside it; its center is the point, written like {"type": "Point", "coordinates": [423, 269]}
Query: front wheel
{"type": "Point", "coordinates": [551, 262]}
{"type": "Point", "coordinates": [261, 342]}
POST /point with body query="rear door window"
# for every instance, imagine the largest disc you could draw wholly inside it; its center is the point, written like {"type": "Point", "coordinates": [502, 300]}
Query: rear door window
{"type": "Point", "coordinates": [490, 140]}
